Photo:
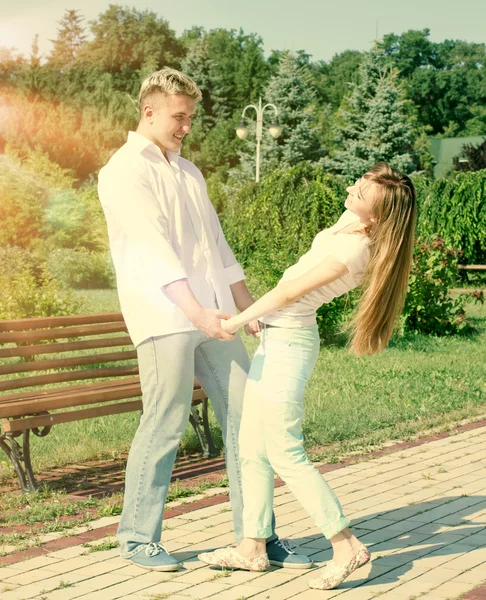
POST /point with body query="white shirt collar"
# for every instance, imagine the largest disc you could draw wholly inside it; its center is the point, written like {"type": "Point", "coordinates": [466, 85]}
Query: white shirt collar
{"type": "Point", "coordinates": [141, 143]}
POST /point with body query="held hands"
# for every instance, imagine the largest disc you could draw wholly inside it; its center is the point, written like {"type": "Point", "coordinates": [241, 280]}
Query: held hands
{"type": "Point", "coordinates": [209, 321]}
{"type": "Point", "coordinates": [252, 328]}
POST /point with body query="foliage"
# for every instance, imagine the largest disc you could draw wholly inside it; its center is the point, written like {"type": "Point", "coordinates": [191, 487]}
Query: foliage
{"type": "Point", "coordinates": [125, 39]}
{"type": "Point", "coordinates": [70, 38]}
{"type": "Point", "coordinates": [41, 209]}
{"type": "Point", "coordinates": [270, 225]}
{"type": "Point", "coordinates": [429, 307]}
{"type": "Point", "coordinates": [332, 80]}
{"type": "Point", "coordinates": [78, 139]}
{"type": "Point", "coordinates": [78, 104]}
{"type": "Point", "coordinates": [472, 158]}
{"type": "Point", "coordinates": [374, 123]}
{"type": "Point", "coordinates": [231, 71]}
{"type": "Point", "coordinates": [28, 290]}
{"type": "Point", "coordinates": [80, 268]}
{"type": "Point", "coordinates": [289, 89]}
{"type": "Point", "coordinates": [455, 209]}
{"type": "Point", "coordinates": [22, 209]}
{"type": "Point", "coordinates": [446, 80]}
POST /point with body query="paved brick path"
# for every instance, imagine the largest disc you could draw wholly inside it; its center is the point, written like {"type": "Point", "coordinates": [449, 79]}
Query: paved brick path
{"type": "Point", "coordinates": [421, 510]}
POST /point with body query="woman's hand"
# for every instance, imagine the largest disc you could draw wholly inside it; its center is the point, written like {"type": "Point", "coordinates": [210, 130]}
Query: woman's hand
{"type": "Point", "coordinates": [229, 325]}
{"type": "Point", "coordinates": [253, 328]}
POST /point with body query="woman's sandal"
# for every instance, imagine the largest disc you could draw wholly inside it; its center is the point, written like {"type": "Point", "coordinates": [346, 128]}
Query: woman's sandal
{"type": "Point", "coordinates": [333, 574]}
{"type": "Point", "coordinates": [230, 559]}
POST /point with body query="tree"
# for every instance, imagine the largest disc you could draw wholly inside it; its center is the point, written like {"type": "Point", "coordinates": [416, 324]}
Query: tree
{"type": "Point", "coordinates": [471, 158]}
{"type": "Point", "coordinates": [127, 40]}
{"type": "Point", "coordinates": [446, 80]}
{"type": "Point", "coordinates": [230, 69]}
{"type": "Point", "coordinates": [332, 80]}
{"type": "Point", "coordinates": [410, 51]}
{"type": "Point", "coordinates": [373, 123]}
{"type": "Point", "coordinates": [30, 78]}
{"type": "Point", "coordinates": [11, 65]}
{"type": "Point", "coordinates": [70, 38]}
{"type": "Point", "coordinates": [290, 90]}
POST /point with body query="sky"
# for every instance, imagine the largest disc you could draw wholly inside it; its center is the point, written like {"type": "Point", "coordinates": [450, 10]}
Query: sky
{"type": "Point", "coordinates": [320, 27]}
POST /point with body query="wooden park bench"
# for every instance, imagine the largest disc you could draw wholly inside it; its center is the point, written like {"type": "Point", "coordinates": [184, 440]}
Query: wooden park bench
{"type": "Point", "coordinates": [37, 355]}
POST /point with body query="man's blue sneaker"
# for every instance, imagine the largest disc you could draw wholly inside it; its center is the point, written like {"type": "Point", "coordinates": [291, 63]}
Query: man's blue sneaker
{"type": "Point", "coordinates": [152, 556]}
{"type": "Point", "coordinates": [281, 553]}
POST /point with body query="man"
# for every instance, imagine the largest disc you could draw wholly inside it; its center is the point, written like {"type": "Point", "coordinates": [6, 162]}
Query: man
{"type": "Point", "coordinates": [177, 278]}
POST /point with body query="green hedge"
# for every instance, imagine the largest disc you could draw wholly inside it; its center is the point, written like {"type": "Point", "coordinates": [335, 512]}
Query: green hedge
{"type": "Point", "coordinates": [270, 225]}
{"type": "Point", "coordinates": [28, 290]}
{"type": "Point", "coordinates": [79, 268]}
{"type": "Point", "coordinates": [454, 209]}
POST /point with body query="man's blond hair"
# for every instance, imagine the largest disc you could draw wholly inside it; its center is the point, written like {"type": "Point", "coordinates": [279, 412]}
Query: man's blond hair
{"type": "Point", "coordinates": [168, 81]}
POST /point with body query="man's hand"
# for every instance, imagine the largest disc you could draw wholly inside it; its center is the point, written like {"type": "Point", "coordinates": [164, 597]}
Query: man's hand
{"type": "Point", "coordinates": [253, 328]}
{"type": "Point", "coordinates": [209, 322]}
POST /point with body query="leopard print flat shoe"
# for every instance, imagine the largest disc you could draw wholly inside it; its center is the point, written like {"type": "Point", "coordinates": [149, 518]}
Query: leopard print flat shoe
{"type": "Point", "coordinates": [228, 558]}
{"type": "Point", "coordinates": [333, 574]}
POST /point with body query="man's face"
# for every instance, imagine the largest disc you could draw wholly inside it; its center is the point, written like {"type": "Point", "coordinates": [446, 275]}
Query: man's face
{"type": "Point", "coordinates": [170, 119]}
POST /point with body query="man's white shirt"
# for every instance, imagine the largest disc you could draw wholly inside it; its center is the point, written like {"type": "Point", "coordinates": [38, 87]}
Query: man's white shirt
{"type": "Point", "coordinates": [162, 227]}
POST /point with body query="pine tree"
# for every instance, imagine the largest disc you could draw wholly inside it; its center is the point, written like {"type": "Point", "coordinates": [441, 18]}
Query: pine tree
{"type": "Point", "coordinates": [70, 37]}
{"type": "Point", "coordinates": [290, 90]}
{"type": "Point", "coordinates": [374, 123]}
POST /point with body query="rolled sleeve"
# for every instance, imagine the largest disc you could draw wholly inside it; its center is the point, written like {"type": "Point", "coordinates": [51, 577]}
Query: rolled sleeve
{"type": "Point", "coordinates": [234, 273]}
{"type": "Point", "coordinates": [138, 226]}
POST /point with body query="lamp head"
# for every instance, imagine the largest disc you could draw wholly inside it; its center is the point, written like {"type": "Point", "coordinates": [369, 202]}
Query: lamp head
{"type": "Point", "coordinates": [242, 130]}
{"type": "Point", "coordinates": [275, 130]}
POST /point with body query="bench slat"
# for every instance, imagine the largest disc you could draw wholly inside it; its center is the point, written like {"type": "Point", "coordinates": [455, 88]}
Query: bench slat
{"type": "Point", "coordinates": [34, 350]}
{"type": "Point", "coordinates": [472, 267]}
{"type": "Point", "coordinates": [81, 398]}
{"type": "Point", "coordinates": [63, 376]}
{"type": "Point", "coordinates": [8, 399]}
{"type": "Point", "coordinates": [74, 361]}
{"type": "Point", "coordinates": [51, 392]}
{"type": "Point", "coordinates": [78, 398]}
{"type": "Point", "coordinates": [39, 322]}
{"type": "Point", "coordinates": [73, 415]}
{"type": "Point", "coordinates": [60, 333]}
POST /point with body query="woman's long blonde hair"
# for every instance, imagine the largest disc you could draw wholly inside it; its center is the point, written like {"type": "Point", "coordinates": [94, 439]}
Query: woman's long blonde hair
{"type": "Point", "coordinates": [391, 240]}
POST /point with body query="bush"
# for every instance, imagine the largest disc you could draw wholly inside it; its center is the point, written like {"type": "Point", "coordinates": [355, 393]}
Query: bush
{"type": "Point", "coordinates": [454, 209]}
{"type": "Point", "coordinates": [40, 209]}
{"type": "Point", "coordinates": [28, 290]}
{"type": "Point", "coordinates": [80, 268]}
{"type": "Point", "coordinates": [270, 225]}
{"type": "Point", "coordinates": [429, 307]}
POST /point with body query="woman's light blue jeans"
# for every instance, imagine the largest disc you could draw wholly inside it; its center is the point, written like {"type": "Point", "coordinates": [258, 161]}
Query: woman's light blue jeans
{"type": "Point", "coordinates": [271, 437]}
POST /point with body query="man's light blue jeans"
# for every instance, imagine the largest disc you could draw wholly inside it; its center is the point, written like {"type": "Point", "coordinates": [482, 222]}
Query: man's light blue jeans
{"type": "Point", "coordinates": [271, 437]}
{"type": "Point", "coordinates": [167, 367]}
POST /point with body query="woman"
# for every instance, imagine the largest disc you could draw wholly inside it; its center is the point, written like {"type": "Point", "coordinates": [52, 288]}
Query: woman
{"type": "Point", "coordinates": [371, 244]}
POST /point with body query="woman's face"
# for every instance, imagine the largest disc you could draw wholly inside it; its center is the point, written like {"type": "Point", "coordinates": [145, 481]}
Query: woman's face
{"type": "Point", "coordinates": [361, 197]}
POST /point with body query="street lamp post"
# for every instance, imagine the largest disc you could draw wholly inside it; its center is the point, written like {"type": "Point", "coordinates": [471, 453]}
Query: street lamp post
{"type": "Point", "coordinates": [275, 129]}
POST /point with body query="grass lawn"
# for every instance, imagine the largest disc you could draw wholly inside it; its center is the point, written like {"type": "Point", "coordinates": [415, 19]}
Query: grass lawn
{"type": "Point", "coordinates": [352, 405]}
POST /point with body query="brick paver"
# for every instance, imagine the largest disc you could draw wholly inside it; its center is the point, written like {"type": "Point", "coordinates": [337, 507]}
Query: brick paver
{"type": "Point", "coordinates": [421, 511]}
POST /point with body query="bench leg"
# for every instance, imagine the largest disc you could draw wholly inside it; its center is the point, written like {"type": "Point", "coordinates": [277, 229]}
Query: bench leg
{"type": "Point", "coordinates": [213, 451]}
{"type": "Point", "coordinates": [201, 427]}
{"type": "Point", "coordinates": [20, 458]}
